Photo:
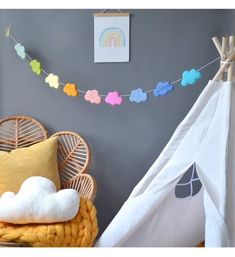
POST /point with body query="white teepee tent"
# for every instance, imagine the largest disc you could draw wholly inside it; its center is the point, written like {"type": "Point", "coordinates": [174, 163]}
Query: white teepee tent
{"type": "Point", "coordinates": [205, 140]}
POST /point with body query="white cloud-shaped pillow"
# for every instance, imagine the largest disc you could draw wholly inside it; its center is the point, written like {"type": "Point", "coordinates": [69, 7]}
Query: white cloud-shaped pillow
{"type": "Point", "coordinates": [38, 202]}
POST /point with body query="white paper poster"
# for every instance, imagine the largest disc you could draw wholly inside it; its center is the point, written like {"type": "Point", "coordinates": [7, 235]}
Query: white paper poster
{"type": "Point", "coordinates": [111, 37]}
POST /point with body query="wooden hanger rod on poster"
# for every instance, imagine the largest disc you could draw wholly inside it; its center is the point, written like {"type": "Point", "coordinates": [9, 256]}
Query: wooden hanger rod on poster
{"type": "Point", "coordinates": [111, 14]}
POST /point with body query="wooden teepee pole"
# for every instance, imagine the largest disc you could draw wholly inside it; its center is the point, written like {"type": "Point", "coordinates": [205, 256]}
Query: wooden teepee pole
{"type": "Point", "coordinates": [217, 45]}
{"type": "Point", "coordinates": [231, 65]}
{"type": "Point", "coordinates": [224, 50]}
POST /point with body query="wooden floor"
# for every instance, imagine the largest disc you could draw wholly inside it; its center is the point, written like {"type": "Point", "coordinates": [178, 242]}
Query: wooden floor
{"type": "Point", "coordinates": [12, 244]}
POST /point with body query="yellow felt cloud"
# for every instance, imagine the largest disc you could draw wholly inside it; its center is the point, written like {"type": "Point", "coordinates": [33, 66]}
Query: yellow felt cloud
{"type": "Point", "coordinates": [52, 80]}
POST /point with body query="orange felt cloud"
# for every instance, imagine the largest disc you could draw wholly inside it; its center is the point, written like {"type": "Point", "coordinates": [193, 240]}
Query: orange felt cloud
{"type": "Point", "coordinates": [70, 90]}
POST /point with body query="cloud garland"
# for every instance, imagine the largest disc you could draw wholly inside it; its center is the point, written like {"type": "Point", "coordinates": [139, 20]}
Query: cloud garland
{"type": "Point", "coordinates": [113, 98]}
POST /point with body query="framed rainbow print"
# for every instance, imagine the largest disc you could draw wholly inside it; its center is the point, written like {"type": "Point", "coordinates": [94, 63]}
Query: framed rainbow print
{"type": "Point", "coordinates": [111, 37]}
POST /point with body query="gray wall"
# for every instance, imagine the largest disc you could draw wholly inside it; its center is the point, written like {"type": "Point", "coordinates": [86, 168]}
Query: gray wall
{"type": "Point", "coordinates": [124, 140]}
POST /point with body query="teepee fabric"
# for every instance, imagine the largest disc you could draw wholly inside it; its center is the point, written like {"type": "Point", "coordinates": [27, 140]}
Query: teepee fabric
{"type": "Point", "coordinates": [153, 215]}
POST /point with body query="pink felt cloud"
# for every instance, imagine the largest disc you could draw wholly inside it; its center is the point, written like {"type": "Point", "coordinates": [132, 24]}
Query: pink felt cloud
{"type": "Point", "coordinates": [93, 96]}
{"type": "Point", "coordinates": [113, 98]}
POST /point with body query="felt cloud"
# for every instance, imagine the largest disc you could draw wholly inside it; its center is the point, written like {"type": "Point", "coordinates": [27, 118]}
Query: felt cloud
{"type": "Point", "coordinates": [113, 98]}
{"type": "Point", "coordinates": [163, 88]}
{"type": "Point", "coordinates": [93, 96]}
{"type": "Point", "coordinates": [52, 80]}
{"type": "Point", "coordinates": [20, 50]}
{"type": "Point", "coordinates": [70, 90]}
{"type": "Point", "coordinates": [138, 96]}
{"type": "Point", "coordinates": [36, 67]}
{"type": "Point", "coordinates": [190, 77]}
{"type": "Point", "coordinates": [38, 202]}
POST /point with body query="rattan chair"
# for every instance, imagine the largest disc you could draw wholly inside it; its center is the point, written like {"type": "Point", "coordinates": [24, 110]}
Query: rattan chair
{"type": "Point", "coordinates": [73, 151]}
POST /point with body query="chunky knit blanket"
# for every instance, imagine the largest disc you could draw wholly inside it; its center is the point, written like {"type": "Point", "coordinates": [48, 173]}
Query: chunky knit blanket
{"type": "Point", "coordinates": [78, 232]}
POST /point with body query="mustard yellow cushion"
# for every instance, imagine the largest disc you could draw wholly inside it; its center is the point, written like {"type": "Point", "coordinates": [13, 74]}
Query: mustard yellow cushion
{"type": "Point", "coordinates": [37, 160]}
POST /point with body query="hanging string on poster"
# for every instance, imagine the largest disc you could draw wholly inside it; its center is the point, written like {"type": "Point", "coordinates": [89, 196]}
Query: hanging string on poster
{"type": "Point", "coordinates": [113, 98]}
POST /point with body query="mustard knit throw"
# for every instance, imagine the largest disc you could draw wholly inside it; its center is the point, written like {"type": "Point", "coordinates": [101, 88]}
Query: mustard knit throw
{"type": "Point", "coordinates": [79, 232]}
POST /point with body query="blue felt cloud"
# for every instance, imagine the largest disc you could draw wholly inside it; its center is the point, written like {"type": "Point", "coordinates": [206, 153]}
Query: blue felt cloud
{"type": "Point", "coordinates": [190, 77]}
{"type": "Point", "coordinates": [20, 50]}
{"type": "Point", "coordinates": [138, 95]}
{"type": "Point", "coordinates": [163, 88]}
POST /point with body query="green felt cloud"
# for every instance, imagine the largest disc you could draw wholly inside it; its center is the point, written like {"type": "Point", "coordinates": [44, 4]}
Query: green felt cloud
{"type": "Point", "coordinates": [36, 67]}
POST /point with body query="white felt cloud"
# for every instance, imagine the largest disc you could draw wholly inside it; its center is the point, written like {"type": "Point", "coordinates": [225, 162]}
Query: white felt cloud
{"type": "Point", "coordinates": [38, 202]}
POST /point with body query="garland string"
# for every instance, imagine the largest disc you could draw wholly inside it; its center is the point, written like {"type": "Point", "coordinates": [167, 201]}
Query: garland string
{"type": "Point", "coordinates": [114, 98]}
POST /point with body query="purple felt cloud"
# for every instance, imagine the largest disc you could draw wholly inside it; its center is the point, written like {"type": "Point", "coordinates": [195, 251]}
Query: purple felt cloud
{"type": "Point", "coordinates": [163, 88]}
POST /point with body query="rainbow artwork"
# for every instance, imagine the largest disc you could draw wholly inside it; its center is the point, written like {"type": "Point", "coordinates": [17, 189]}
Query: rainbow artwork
{"type": "Point", "coordinates": [112, 37]}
